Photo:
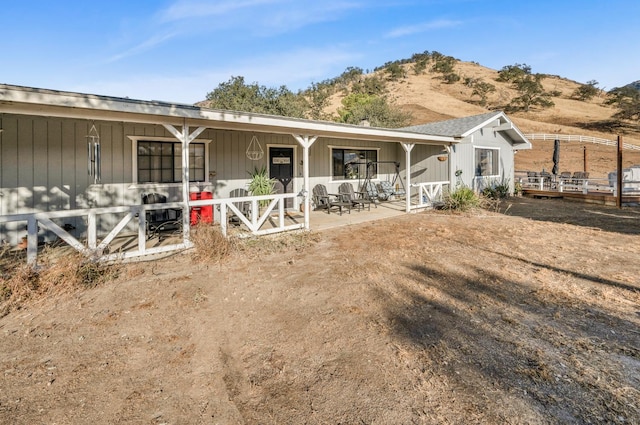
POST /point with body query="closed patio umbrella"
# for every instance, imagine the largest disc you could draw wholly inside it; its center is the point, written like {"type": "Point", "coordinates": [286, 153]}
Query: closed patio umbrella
{"type": "Point", "coordinates": [556, 157]}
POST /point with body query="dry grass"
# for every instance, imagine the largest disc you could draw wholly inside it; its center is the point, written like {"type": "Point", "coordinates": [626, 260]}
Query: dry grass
{"type": "Point", "coordinates": [264, 245]}
{"type": "Point", "coordinates": [56, 274]}
{"type": "Point", "coordinates": [212, 246]}
{"type": "Point", "coordinates": [428, 98]}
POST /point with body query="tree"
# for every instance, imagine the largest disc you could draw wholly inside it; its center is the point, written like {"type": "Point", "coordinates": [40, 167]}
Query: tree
{"type": "Point", "coordinates": [235, 95]}
{"type": "Point", "coordinates": [372, 85]}
{"type": "Point", "coordinates": [531, 93]}
{"type": "Point", "coordinates": [627, 100]}
{"type": "Point", "coordinates": [283, 102]}
{"type": "Point", "coordinates": [586, 91]}
{"type": "Point", "coordinates": [511, 73]}
{"type": "Point", "coordinates": [358, 107]}
{"type": "Point", "coordinates": [451, 78]}
{"type": "Point", "coordinates": [350, 75]}
{"type": "Point", "coordinates": [395, 71]}
{"type": "Point", "coordinates": [528, 85]}
{"type": "Point", "coordinates": [420, 67]}
{"type": "Point", "coordinates": [318, 99]}
{"type": "Point", "coordinates": [443, 64]}
{"type": "Point", "coordinates": [482, 90]}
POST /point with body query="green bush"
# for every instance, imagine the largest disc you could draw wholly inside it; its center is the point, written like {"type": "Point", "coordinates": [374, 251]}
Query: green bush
{"type": "Point", "coordinates": [261, 184]}
{"type": "Point", "coordinates": [498, 190]}
{"type": "Point", "coordinates": [461, 199]}
{"type": "Point", "coordinates": [451, 78]}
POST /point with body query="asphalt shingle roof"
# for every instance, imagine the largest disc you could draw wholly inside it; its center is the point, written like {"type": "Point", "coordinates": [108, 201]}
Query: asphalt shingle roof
{"type": "Point", "coordinates": [454, 128]}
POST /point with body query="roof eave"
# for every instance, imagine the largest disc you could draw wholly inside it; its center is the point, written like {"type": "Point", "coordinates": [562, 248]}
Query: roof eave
{"type": "Point", "coordinates": [21, 100]}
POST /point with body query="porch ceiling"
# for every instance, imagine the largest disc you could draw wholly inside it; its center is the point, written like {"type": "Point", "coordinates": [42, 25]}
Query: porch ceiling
{"type": "Point", "coordinates": [42, 102]}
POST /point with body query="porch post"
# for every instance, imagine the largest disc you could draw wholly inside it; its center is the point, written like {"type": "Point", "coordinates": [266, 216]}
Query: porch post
{"type": "Point", "coordinates": [306, 142]}
{"type": "Point", "coordinates": [185, 138]}
{"type": "Point", "coordinates": [408, 147]}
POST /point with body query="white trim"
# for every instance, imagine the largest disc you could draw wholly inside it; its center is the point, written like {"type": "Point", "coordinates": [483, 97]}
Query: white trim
{"type": "Point", "coordinates": [364, 148]}
{"type": "Point", "coordinates": [489, 148]}
{"type": "Point", "coordinates": [34, 101]}
{"type": "Point", "coordinates": [134, 160]}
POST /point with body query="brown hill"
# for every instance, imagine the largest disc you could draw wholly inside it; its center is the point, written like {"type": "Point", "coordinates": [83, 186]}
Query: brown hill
{"type": "Point", "coordinates": [429, 99]}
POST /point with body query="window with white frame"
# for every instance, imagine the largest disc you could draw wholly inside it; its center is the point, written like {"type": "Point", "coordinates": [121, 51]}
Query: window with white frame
{"type": "Point", "coordinates": [161, 161]}
{"type": "Point", "coordinates": [351, 163]}
{"type": "Point", "coordinates": [487, 162]}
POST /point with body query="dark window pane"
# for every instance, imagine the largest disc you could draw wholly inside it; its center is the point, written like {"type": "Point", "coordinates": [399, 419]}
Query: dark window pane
{"type": "Point", "coordinates": [162, 161]}
{"type": "Point", "coordinates": [199, 175]}
{"type": "Point", "coordinates": [167, 175]}
{"type": "Point", "coordinates": [352, 163]}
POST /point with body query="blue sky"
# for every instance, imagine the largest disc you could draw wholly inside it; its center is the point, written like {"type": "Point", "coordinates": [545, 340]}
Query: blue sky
{"type": "Point", "coordinates": [179, 50]}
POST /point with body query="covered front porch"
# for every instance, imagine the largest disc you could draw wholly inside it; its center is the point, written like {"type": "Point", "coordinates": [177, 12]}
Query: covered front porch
{"type": "Point", "coordinates": [95, 153]}
{"type": "Point", "coordinates": [121, 244]}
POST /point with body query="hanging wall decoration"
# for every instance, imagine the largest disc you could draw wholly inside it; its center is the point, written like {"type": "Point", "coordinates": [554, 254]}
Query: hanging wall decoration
{"type": "Point", "coordinates": [93, 153]}
{"type": "Point", "coordinates": [254, 150]}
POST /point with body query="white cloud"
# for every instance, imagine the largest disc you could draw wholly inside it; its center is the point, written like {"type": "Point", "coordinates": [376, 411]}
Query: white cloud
{"type": "Point", "coordinates": [188, 9]}
{"type": "Point", "coordinates": [424, 27]}
{"type": "Point", "coordinates": [142, 47]}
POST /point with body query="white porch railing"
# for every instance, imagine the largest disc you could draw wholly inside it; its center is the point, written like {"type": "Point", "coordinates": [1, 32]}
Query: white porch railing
{"type": "Point", "coordinates": [583, 185]}
{"type": "Point", "coordinates": [94, 247]}
{"type": "Point", "coordinates": [429, 194]}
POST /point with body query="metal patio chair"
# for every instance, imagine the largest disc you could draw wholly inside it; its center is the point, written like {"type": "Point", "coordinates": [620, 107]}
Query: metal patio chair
{"type": "Point", "coordinates": [161, 222]}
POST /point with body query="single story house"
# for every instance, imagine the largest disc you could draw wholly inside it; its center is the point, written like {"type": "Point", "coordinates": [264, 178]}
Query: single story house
{"type": "Point", "coordinates": [484, 154]}
{"type": "Point", "coordinates": [75, 166]}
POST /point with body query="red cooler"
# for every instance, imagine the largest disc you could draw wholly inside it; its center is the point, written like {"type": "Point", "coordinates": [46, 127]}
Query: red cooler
{"type": "Point", "coordinates": [202, 214]}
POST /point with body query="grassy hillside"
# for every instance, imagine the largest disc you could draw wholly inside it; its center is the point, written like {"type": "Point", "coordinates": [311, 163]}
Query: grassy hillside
{"type": "Point", "coordinates": [429, 99]}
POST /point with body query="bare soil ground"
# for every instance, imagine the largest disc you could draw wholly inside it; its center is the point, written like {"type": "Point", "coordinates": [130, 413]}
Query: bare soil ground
{"type": "Point", "coordinates": [530, 315]}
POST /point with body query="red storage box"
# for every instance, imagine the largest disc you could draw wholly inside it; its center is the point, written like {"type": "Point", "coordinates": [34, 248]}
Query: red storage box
{"type": "Point", "coordinates": [202, 214]}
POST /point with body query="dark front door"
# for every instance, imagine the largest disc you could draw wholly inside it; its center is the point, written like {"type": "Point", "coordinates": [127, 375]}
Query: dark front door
{"type": "Point", "coordinates": [281, 169]}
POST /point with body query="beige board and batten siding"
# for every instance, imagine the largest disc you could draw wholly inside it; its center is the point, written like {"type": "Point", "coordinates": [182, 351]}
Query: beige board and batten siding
{"type": "Point", "coordinates": [425, 166]}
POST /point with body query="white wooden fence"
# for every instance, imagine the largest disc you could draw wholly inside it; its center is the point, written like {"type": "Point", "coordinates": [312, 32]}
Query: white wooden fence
{"type": "Point", "coordinates": [581, 139]}
{"type": "Point", "coordinates": [583, 185]}
{"type": "Point", "coordinates": [429, 194]}
{"type": "Point", "coordinates": [92, 246]}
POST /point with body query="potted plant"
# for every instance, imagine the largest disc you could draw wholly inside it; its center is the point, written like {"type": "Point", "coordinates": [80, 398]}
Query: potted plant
{"type": "Point", "coordinates": [261, 184]}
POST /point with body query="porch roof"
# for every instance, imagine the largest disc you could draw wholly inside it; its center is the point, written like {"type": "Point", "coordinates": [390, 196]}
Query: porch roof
{"type": "Point", "coordinates": [45, 102]}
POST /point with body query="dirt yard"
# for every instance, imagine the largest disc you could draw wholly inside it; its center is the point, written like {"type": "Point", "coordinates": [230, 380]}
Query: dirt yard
{"type": "Point", "coordinates": [528, 316]}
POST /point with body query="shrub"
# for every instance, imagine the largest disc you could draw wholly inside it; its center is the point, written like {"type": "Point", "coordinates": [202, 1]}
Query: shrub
{"type": "Point", "coordinates": [420, 67]}
{"type": "Point", "coordinates": [210, 244]}
{"type": "Point", "coordinates": [57, 273]}
{"type": "Point", "coordinates": [261, 184]}
{"type": "Point", "coordinates": [451, 78]}
{"type": "Point", "coordinates": [497, 190]}
{"type": "Point", "coordinates": [395, 71]}
{"type": "Point", "coordinates": [586, 91]}
{"type": "Point", "coordinates": [482, 89]}
{"type": "Point", "coordinates": [461, 199]}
